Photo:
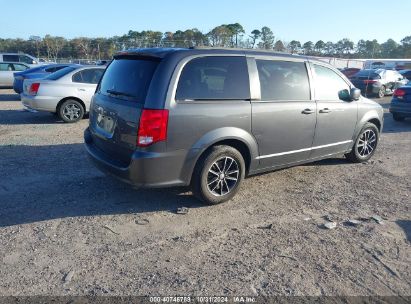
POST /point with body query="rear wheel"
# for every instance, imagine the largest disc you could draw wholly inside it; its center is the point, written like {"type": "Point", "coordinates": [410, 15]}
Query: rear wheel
{"type": "Point", "coordinates": [218, 175]}
{"type": "Point", "coordinates": [365, 144]}
{"type": "Point", "coordinates": [381, 92]}
{"type": "Point", "coordinates": [71, 111]}
{"type": "Point", "coordinates": [397, 117]}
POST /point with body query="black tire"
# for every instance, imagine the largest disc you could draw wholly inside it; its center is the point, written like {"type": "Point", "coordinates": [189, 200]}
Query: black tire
{"type": "Point", "coordinates": [397, 117]}
{"type": "Point", "coordinates": [70, 111]}
{"type": "Point", "coordinates": [223, 158]}
{"type": "Point", "coordinates": [365, 144]}
{"type": "Point", "coordinates": [381, 92]}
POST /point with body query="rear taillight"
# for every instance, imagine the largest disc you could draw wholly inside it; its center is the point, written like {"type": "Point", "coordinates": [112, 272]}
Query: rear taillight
{"type": "Point", "coordinates": [399, 93]}
{"type": "Point", "coordinates": [153, 127]}
{"type": "Point", "coordinates": [34, 88]}
{"type": "Point", "coordinates": [370, 81]}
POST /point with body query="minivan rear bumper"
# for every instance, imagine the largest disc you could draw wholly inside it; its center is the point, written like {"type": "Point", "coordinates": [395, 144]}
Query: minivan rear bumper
{"type": "Point", "coordinates": [146, 169]}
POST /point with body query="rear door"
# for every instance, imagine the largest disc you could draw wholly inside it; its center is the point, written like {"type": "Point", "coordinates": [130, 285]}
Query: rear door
{"type": "Point", "coordinates": [336, 114]}
{"type": "Point", "coordinates": [117, 105]}
{"type": "Point", "coordinates": [213, 92]}
{"type": "Point", "coordinates": [283, 120]}
{"type": "Point", "coordinates": [6, 74]}
{"type": "Point", "coordinates": [86, 81]}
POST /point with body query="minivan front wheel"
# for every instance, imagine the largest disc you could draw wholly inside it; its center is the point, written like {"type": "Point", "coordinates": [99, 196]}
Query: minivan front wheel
{"type": "Point", "coordinates": [218, 175]}
{"type": "Point", "coordinates": [365, 144]}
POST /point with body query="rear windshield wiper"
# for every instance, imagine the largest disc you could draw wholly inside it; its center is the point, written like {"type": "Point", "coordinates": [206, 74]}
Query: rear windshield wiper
{"type": "Point", "coordinates": [112, 92]}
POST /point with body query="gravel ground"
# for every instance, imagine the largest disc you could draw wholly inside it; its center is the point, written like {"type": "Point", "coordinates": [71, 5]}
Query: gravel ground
{"type": "Point", "coordinates": [66, 229]}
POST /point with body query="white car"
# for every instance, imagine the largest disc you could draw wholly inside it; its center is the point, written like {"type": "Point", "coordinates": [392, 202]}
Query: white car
{"type": "Point", "coordinates": [19, 57]}
{"type": "Point", "coordinates": [7, 70]}
{"type": "Point", "coordinates": [67, 92]}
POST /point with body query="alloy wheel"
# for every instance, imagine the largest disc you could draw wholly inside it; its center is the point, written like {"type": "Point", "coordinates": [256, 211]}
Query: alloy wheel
{"type": "Point", "coordinates": [367, 143]}
{"type": "Point", "coordinates": [71, 111]}
{"type": "Point", "coordinates": [223, 176]}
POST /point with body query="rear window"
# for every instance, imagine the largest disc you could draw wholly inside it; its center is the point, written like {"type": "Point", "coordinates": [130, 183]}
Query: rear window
{"type": "Point", "coordinates": [214, 78]}
{"type": "Point", "coordinates": [60, 73]}
{"type": "Point", "coordinates": [128, 78]}
{"type": "Point", "coordinates": [54, 68]}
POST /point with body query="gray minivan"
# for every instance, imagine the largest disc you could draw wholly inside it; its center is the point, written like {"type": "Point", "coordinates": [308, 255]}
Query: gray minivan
{"type": "Point", "coordinates": [209, 117]}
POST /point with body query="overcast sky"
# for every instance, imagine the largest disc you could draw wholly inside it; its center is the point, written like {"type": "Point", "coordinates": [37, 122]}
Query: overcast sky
{"type": "Point", "coordinates": [290, 19]}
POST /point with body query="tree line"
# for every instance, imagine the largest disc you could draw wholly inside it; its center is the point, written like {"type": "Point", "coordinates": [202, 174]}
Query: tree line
{"type": "Point", "coordinates": [226, 35]}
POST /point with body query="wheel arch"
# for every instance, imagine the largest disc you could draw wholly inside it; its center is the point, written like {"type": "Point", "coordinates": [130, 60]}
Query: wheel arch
{"type": "Point", "coordinates": [237, 138]}
{"type": "Point", "coordinates": [74, 98]}
{"type": "Point", "coordinates": [369, 117]}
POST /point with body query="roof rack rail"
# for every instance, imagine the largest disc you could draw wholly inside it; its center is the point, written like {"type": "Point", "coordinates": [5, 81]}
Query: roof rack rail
{"type": "Point", "coordinates": [237, 49]}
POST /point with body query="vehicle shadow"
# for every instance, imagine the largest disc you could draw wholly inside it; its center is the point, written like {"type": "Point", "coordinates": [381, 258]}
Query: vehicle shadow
{"type": "Point", "coordinates": [24, 117]}
{"type": "Point", "coordinates": [406, 226]}
{"type": "Point", "coordinates": [58, 181]}
{"type": "Point", "coordinates": [9, 97]}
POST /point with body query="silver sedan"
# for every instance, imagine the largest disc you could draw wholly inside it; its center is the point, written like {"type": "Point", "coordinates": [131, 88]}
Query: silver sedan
{"type": "Point", "coordinates": [7, 69]}
{"type": "Point", "coordinates": [67, 92]}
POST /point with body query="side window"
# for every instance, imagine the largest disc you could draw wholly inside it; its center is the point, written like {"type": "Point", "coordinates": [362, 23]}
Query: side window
{"type": "Point", "coordinates": [3, 66]}
{"type": "Point", "coordinates": [283, 80]}
{"type": "Point", "coordinates": [25, 59]}
{"type": "Point", "coordinates": [91, 76]}
{"type": "Point", "coordinates": [329, 85]}
{"type": "Point", "coordinates": [19, 67]}
{"type": "Point", "coordinates": [78, 77]}
{"type": "Point", "coordinates": [98, 73]}
{"type": "Point", "coordinates": [214, 78]}
{"type": "Point", "coordinates": [13, 58]}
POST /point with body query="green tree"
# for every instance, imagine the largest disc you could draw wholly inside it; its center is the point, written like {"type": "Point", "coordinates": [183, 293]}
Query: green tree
{"type": "Point", "coordinates": [406, 47]}
{"type": "Point", "coordinates": [294, 46]}
{"type": "Point", "coordinates": [236, 29]}
{"type": "Point", "coordinates": [329, 48]}
{"type": "Point", "coordinates": [389, 49]}
{"type": "Point", "coordinates": [319, 46]}
{"type": "Point", "coordinates": [267, 38]}
{"type": "Point", "coordinates": [308, 47]}
{"type": "Point", "coordinates": [255, 35]}
{"type": "Point", "coordinates": [279, 46]}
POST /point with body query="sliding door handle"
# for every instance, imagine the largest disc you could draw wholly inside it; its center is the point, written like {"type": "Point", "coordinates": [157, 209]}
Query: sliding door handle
{"type": "Point", "coordinates": [325, 110]}
{"type": "Point", "coordinates": [308, 111]}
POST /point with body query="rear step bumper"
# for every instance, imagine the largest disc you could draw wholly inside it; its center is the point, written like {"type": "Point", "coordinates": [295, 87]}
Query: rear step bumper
{"type": "Point", "coordinates": [146, 169]}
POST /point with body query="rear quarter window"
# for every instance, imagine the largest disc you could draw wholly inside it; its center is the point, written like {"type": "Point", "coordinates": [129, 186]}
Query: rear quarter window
{"type": "Point", "coordinates": [214, 78]}
{"type": "Point", "coordinates": [128, 78]}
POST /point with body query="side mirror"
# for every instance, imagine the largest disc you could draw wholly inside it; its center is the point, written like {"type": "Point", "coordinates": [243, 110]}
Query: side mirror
{"type": "Point", "coordinates": [355, 94]}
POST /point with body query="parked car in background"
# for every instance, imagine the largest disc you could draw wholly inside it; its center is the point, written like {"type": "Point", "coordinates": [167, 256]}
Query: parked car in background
{"type": "Point", "coordinates": [35, 73]}
{"type": "Point", "coordinates": [209, 117]}
{"type": "Point", "coordinates": [406, 74]}
{"type": "Point", "coordinates": [348, 72]}
{"type": "Point", "coordinates": [378, 82]}
{"type": "Point", "coordinates": [66, 92]}
{"type": "Point", "coordinates": [19, 57]}
{"type": "Point", "coordinates": [400, 106]}
{"type": "Point", "coordinates": [7, 70]}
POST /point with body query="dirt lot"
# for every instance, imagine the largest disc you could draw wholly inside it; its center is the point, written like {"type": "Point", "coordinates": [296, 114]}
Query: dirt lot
{"type": "Point", "coordinates": [66, 229]}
